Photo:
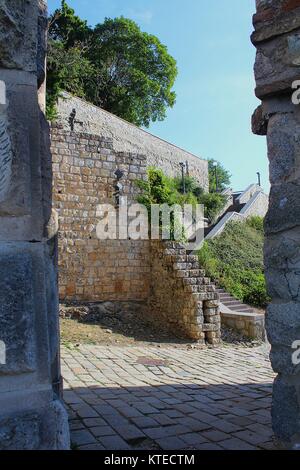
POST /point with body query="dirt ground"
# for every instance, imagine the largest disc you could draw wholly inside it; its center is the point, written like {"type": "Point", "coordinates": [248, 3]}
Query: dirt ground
{"type": "Point", "coordinates": [86, 324]}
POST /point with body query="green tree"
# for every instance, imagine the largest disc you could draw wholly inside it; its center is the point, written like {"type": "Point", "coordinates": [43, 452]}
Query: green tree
{"type": "Point", "coordinates": [68, 70]}
{"type": "Point", "coordinates": [224, 177]}
{"type": "Point", "coordinates": [126, 71]}
{"type": "Point", "coordinates": [66, 27]}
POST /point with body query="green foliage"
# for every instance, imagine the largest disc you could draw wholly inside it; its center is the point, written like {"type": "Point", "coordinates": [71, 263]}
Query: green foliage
{"type": "Point", "coordinates": [256, 222]}
{"type": "Point", "coordinates": [69, 71]}
{"type": "Point", "coordinates": [208, 261]}
{"type": "Point", "coordinates": [66, 27]}
{"type": "Point", "coordinates": [213, 202]}
{"type": "Point", "coordinates": [135, 72]}
{"type": "Point", "coordinates": [156, 189]}
{"type": "Point", "coordinates": [224, 176]}
{"type": "Point", "coordinates": [124, 70]}
{"type": "Point", "coordinates": [235, 258]}
{"type": "Point", "coordinates": [160, 189]}
{"type": "Point", "coordinates": [213, 205]}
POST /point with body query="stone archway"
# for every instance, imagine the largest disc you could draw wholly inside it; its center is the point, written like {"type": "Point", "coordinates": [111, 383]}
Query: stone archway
{"type": "Point", "coordinates": [277, 66]}
{"type": "Point", "coordinates": [34, 417]}
{"type": "Point", "coordinates": [31, 413]}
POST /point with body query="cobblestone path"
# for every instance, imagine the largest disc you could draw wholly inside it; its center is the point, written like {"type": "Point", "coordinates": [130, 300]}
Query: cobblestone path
{"type": "Point", "coordinates": [171, 399]}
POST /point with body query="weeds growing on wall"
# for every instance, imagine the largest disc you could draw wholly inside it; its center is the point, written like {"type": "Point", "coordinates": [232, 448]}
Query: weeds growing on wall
{"type": "Point", "coordinates": [235, 258]}
{"type": "Point", "coordinates": [161, 189]}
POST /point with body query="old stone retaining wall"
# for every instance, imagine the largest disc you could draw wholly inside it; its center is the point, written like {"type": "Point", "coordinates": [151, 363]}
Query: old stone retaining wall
{"type": "Point", "coordinates": [130, 138]}
{"type": "Point", "coordinates": [276, 37]}
{"type": "Point", "coordinates": [181, 295]}
{"type": "Point", "coordinates": [32, 416]}
{"type": "Point", "coordinates": [90, 269]}
{"type": "Point", "coordinates": [251, 325]}
{"type": "Point", "coordinates": [162, 276]}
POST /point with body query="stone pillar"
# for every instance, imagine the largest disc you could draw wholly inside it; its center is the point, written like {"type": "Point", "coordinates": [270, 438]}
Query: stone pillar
{"type": "Point", "coordinates": [31, 413]}
{"type": "Point", "coordinates": [277, 39]}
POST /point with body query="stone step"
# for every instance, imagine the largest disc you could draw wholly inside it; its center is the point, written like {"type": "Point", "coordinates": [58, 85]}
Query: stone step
{"type": "Point", "coordinates": [222, 291]}
{"type": "Point", "coordinates": [182, 266]}
{"type": "Point", "coordinates": [192, 258]}
{"type": "Point", "coordinates": [200, 297]}
{"type": "Point", "coordinates": [197, 288]}
{"type": "Point", "coordinates": [226, 297]}
{"type": "Point", "coordinates": [242, 308]}
{"type": "Point", "coordinates": [232, 303]}
{"type": "Point", "coordinates": [197, 272]}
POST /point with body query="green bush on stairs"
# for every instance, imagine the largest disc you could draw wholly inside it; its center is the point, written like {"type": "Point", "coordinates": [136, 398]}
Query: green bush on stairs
{"type": "Point", "coordinates": [235, 259]}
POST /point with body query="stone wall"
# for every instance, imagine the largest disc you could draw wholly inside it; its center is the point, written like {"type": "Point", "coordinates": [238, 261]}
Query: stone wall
{"type": "Point", "coordinates": [182, 297]}
{"type": "Point", "coordinates": [31, 413]}
{"type": "Point", "coordinates": [90, 269]}
{"type": "Point", "coordinates": [257, 206]}
{"type": "Point", "coordinates": [276, 37]}
{"type": "Point", "coordinates": [251, 325]}
{"type": "Point", "coordinates": [167, 282]}
{"type": "Point", "coordinates": [130, 138]}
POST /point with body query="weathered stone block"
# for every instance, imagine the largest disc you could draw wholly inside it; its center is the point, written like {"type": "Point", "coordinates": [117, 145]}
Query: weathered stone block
{"type": "Point", "coordinates": [20, 432]}
{"type": "Point", "coordinates": [55, 418]}
{"type": "Point", "coordinates": [282, 360]}
{"type": "Point", "coordinates": [283, 147]}
{"type": "Point", "coordinates": [283, 323]}
{"type": "Point", "coordinates": [18, 38]}
{"type": "Point", "coordinates": [43, 429]}
{"type": "Point", "coordinates": [276, 64]}
{"type": "Point", "coordinates": [275, 17]}
{"type": "Point", "coordinates": [282, 260]}
{"type": "Point", "coordinates": [17, 314]}
{"type": "Point", "coordinates": [286, 411]}
{"type": "Point", "coordinates": [259, 122]}
{"type": "Point", "coordinates": [284, 209]}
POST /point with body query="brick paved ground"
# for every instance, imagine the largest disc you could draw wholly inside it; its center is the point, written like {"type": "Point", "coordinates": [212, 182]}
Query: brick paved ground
{"type": "Point", "coordinates": [168, 398]}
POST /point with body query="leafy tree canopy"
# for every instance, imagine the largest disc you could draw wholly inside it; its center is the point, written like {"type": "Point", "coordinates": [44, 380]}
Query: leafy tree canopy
{"type": "Point", "coordinates": [66, 27]}
{"type": "Point", "coordinates": [115, 66]}
{"type": "Point", "coordinates": [224, 177]}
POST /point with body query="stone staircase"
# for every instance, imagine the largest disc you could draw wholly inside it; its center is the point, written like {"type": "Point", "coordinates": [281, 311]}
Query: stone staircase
{"type": "Point", "coordinates": [240, 205]}
{"type": "Point", "coordinates": [182, 294]}
{"type": "Point", "coordinates": [232, 303]}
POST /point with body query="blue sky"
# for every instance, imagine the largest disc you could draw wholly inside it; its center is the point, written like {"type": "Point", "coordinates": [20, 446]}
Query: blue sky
{"type": "Point", "coordinates": [215, 98]}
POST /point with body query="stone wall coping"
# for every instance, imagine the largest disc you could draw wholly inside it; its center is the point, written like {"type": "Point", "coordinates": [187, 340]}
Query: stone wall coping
{"type": "Point", "coordinates": [248, 193]}
{"type": "Point", "coordinates": [218, 229]}
{"type": "Point", "coordinates": [67, 95]}
{"type": "Point", "coordinates": [252, 201]}
{"type": "Point", "coordinates": [243, 315]}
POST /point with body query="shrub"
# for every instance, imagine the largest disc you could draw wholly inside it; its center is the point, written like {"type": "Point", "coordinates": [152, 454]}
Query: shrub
{"type": "Point", "coordinates": [235, 258]}
{"type": "Point", "coordinates": [256, 222]}
{"type": "Point", "coordinates": [208, 261]}
{"type": "Point", "coordinates": [161, 189]}
{"type": "Point", "coordinates": [256, 293]}
{"type": "Point", "coordinates": [213, 205]}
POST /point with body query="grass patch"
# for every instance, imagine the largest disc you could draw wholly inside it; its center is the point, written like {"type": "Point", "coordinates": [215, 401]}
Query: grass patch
{"type": "Point", "coordinates": [235, 258]}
